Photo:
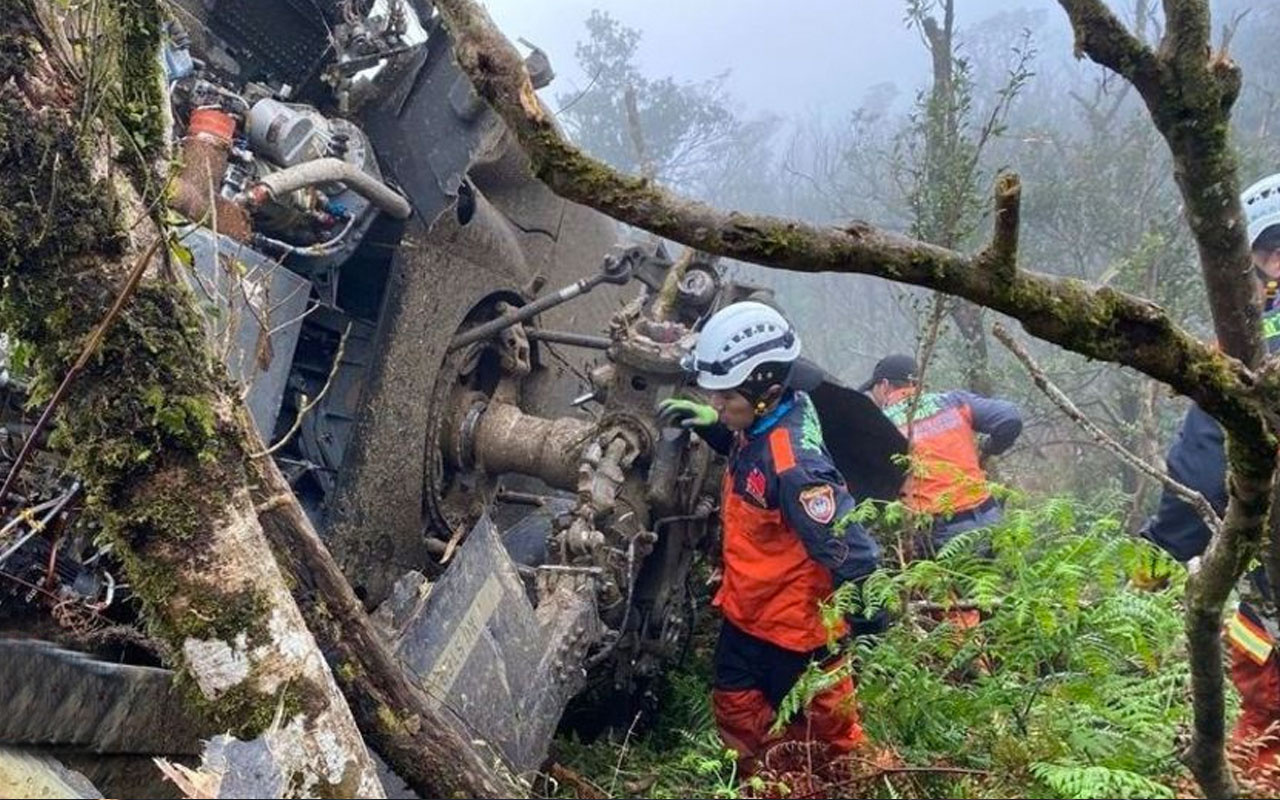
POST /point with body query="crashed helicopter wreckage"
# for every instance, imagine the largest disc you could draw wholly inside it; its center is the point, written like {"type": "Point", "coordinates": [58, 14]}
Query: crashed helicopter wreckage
{"type": "Point", "coordinates": [458, 371]}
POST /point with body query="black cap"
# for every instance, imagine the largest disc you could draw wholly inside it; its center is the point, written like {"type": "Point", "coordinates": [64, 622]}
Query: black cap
{"type": "Point", "coordinates": [898, 368]}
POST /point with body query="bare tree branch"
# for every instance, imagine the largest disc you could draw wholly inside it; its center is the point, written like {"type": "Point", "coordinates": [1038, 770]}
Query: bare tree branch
{"type": "Point", "coordinates": [1060, 399]}
{"type": "Point", "coordinates": [1001, 255]}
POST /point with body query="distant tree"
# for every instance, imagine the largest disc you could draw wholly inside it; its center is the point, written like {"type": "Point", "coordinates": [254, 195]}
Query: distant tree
{"type": "Point", "coordinates": [678, 132]}
{"type": "Point", "coordinates": [940, 159]}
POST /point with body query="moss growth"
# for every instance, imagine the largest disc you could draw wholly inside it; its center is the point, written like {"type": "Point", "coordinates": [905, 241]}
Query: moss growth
{"type": "Point", "coordinates": [243, 710]}
{"type": "Point", "coordinates": [139, 427]}
{"type": "Point", "coordinates": [388, 720]}
{"type": "Point", "coordinates": [349, 671]}
{"type": "Point", "coordinates": [142, 101]}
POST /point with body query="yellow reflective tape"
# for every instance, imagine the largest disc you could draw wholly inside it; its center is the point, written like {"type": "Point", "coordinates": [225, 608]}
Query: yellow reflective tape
{"type": "Point", "coordinates": [1247, 638]}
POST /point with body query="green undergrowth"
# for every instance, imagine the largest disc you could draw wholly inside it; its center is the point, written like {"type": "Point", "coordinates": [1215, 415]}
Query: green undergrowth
{"type": "Point", "coordinates": [1074, 683]}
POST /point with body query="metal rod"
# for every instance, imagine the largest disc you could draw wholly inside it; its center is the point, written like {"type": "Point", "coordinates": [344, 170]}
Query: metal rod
{"type": "Point", "coordinates": [44, 523]}
{"type": "Point", "coordinates": [569, 338]}
{"type": "Point", "coordinates": [523, 313]}
{"type": "Point", "coordinates": [521, 498]}
{"type": "Point", "coordinates": [614, 270]}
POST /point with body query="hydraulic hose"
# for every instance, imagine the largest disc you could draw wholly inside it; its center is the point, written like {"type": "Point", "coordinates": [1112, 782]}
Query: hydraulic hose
{"type": "Point", "coordinates": [327, 170]}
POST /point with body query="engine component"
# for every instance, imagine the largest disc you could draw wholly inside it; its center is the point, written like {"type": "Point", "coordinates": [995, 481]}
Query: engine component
{"type": "Point", "coordinates": [325, 172]}
{"type": "Point", "coordinates": [281, 132]}
{"type": "Point", "coordinates": [616, 269]}
{"type": "Point", "coordinates": [499, 438]}
{"type": "Point", "coordinates": [205, 152]}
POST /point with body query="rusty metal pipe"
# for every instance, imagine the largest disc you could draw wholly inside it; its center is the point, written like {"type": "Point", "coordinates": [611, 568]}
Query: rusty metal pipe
{"type": "Point", "coordinates": [197, 187]}
{"type": "Point", "coordinates": [614, 270]}
{"type": "Point", "coordinates": [570, 338]}
{"type": "Point", "coordinates": [508, 440]}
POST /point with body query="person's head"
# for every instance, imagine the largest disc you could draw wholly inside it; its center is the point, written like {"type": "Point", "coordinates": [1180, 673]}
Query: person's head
{"type": "Point", "coordinates": [743, 359]}
{"type": "Point", "coordinates": [1261, 203]}
{"type": "Point", "coordinates": [890, 374]}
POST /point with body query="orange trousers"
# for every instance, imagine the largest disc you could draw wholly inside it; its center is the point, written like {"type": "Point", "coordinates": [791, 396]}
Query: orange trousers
{"type": "Point", "coordinates": [752, 676]}
{"type": "Point", "coordinates": [1257, 730]}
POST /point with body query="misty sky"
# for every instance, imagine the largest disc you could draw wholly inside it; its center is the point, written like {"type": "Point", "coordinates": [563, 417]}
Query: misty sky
{"type": "Point", "coordinates": [811, 56]}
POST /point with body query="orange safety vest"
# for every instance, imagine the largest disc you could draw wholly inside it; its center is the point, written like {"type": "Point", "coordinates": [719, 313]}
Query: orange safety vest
{"type": "Point", "coordinates": [945, 475]}
{"type": "Point", "coordinates": [771, 587]}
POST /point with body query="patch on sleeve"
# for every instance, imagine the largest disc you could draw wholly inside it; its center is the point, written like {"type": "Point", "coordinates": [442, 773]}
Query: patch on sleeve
{"type": "Point", "coordinates": [755, 485]}
{"type": "Point", "coordinates": [819, 502]}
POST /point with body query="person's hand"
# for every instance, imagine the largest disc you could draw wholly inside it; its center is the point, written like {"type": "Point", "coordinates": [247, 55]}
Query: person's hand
{"type": "Point", "coordinates": [686, 413]}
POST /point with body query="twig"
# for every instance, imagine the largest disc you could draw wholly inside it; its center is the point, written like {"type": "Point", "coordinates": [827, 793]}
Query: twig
{"type": "Point", "coordinates": [926, 607]}
{"type": "Point", "coordinates": [580, 94]}
{"type": "Point", "coordinates": [310, 404]}
{"type": "Point", "coordinates": [933, 770]}
{"type": "Point", "coordinates": [926, 354]}
{"type": "Point", "coordinates": [636, 132]}
{"type": "Point", "coordinates": [90, 347]}
{"type": "Point", "coordinates": [1190, 496]}
{"type": "Point", "coordinates": [582, 786]}
{"type": "Point", "coordinates": [622, 754]}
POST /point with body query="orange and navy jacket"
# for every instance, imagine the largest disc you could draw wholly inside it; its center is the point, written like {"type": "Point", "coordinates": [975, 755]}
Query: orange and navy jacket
{"type": "Point", "coordinates": [788, 532]}
{"type": "Point", "coordinates": [945, 474]}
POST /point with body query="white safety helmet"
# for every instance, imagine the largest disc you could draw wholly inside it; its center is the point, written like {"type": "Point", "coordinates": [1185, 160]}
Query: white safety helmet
{"type": "Point", "coordinates": [1261, 203]}
{"type": "Point", "coordinates": [736, 340]}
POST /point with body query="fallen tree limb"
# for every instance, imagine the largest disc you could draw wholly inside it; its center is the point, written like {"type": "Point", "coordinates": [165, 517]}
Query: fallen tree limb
{"type": "Point", "coordinates": [1060, 399]}
{"type": "Point", "coordinates": [422, 744]}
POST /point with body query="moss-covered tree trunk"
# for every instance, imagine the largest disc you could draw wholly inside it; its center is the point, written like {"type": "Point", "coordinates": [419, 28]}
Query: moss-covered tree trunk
{"type": "Point", "coordinates": [149, 426]}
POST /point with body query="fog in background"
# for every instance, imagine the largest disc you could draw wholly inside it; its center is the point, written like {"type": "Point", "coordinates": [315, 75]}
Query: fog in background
{"type": "Point", "coordinates": [825, 111]}
{"type": "Point", "coordinates": [792, 59]}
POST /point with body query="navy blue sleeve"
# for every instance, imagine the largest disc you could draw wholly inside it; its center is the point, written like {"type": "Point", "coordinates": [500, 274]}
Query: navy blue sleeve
{"type": "Point", "coordinates": [815, 503]}
{"type": "Point", "coordinates": [718, 437]}
{"type": "Point", "coordinates": [1000, 420]}
{"type": "Point", "coordinates": [1197, 459]}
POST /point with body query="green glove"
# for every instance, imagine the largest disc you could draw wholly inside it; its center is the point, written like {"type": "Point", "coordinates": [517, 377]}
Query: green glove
{"type": "Point", "coordinates": [686, 413]}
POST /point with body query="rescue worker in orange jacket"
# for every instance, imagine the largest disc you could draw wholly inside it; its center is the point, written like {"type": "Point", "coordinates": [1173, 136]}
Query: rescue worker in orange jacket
{"type": "Point", "coordinates": [1197, 459]}
{"type": "Point", "coordinates": [946, 480]}
{"type": "Point", "coordinates": [787, 538]}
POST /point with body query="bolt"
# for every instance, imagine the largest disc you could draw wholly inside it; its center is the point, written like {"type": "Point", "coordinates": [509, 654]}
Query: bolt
{"type": "Point", "coordinates": [338, 144]}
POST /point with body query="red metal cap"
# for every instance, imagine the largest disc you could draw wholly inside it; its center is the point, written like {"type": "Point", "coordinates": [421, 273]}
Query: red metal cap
{"type": "Point", "coordinates": [213, 121]}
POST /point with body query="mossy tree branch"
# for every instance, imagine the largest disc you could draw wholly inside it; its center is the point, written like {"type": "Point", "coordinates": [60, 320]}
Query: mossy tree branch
{"type": "Point", "coordinates": [1101, 323]}
{"type": "Point", "coordinates": [1188, 94]}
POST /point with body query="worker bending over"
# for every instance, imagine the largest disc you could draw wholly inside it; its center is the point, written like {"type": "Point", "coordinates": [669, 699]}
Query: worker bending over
{"type": "Point", "coordinates": [946, 480]}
